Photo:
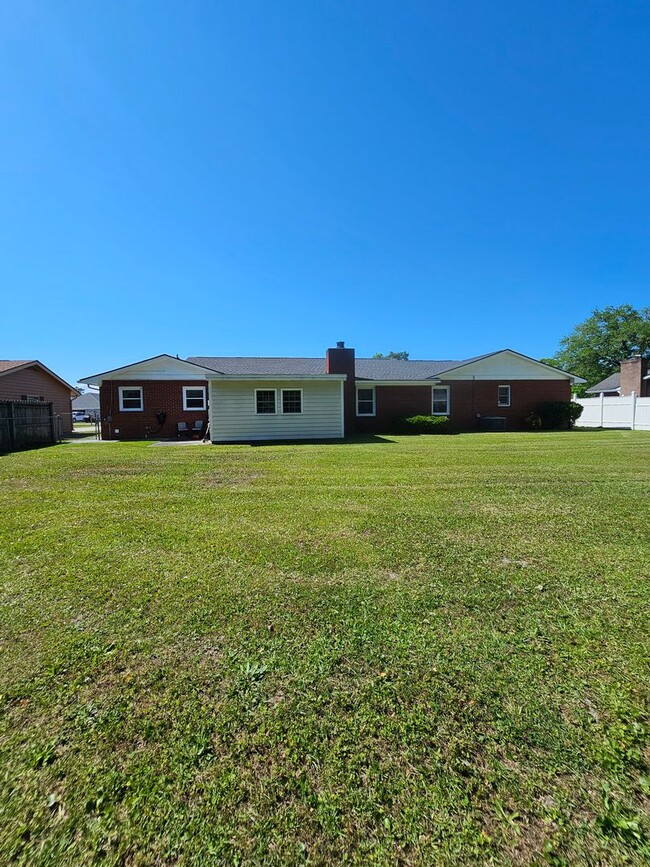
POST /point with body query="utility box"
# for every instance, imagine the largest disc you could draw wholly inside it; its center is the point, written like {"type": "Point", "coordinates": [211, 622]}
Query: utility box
{"type": "Point", "coordinates": [488, 423]}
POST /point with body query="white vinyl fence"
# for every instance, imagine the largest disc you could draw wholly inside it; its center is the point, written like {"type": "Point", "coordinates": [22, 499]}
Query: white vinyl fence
{"type": "Point", "coordinates": [630, 412]}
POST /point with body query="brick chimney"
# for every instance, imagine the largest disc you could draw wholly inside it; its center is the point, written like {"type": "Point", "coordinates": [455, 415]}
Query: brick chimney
{"type": "Point", "coordinates": [632, 372]}
{"type": "Point", "coordinates": [341, 360]}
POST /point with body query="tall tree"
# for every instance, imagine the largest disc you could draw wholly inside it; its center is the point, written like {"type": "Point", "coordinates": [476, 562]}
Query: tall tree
{"type": "Point", "coordinates": [595, 347]}
{"type": "Point", "coordinates": [399, 356]}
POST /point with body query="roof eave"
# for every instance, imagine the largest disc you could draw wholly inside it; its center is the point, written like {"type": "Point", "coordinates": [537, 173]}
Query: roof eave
{"type": "Point", "coordinates": [213, 376]}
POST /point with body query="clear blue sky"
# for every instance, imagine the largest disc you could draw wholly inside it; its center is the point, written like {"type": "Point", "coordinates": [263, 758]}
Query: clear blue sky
{"type": "Point", "coordinates": [446, 177]}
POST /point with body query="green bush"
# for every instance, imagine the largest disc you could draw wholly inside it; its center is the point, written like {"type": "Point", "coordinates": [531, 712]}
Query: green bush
{"type": "Point", "coordinates": [559, 414]}
{"type": "Point", "coordinates": [423, 424]}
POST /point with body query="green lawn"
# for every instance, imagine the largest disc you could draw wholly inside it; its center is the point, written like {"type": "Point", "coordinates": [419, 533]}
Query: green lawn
{"type": "Point", "coordinates": [425, 650]}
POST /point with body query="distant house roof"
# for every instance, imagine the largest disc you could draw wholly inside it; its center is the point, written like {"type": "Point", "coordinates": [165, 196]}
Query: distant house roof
{"type": "Point", "coordinates": [7, 366]}
{"type": "Point", "coordinates": [10, 365]}
{"type": "Point", "coordinates": [610, 383]}
{"type": "Point", "coordinates": [87, 401]}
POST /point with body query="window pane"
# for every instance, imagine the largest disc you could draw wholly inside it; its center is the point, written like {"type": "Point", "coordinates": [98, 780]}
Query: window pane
{"type": "Point", "coordinates": [440, 401]}
{"type": "Point", "coordinates": [265, 401]}
{"type": "Point", "coordinates": [291, 400]}
{"type": "Point", "coordinates": [130, 398]}
{"type": "Point", "coordinates": [504, 395]}
{"type": "Point", "coordinates": [365, 401]}
{"type": "Point", "coordinates": [194, 398]}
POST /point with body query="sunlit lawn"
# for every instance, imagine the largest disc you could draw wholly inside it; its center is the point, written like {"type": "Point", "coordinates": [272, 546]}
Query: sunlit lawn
{"type": "Point", "coordinates": [426, 650]}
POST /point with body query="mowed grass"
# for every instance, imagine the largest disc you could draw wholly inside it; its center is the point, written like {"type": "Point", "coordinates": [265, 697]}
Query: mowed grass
{"type": "Point", "coordinates": [426, 650]}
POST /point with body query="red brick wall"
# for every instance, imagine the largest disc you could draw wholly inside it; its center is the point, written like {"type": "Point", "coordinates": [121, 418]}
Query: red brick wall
{"type": "Point", "coordinates": [33, 380]}
{"type": "Point", "coordinates": [633, 371]}
{"type": "Point", "coordinates": [165, 395]}
{"type": "Point", "coordinates": [341, 360]}
{"type": "Point", "coordinates": [467, 398]}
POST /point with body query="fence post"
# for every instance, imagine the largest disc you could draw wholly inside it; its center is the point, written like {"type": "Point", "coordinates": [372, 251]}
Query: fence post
{"type": "Point", "coordinates": [602, 408]}
{"type": "Point", "coordinates": [633, 396]}
{"type": "Point", "coordinates": [12, 426]}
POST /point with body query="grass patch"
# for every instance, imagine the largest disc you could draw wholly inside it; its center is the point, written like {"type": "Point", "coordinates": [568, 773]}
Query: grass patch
{"type": "Point", "coordinates": [422, 650]}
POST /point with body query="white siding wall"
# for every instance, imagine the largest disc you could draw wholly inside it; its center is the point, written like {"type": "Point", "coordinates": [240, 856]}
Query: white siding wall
{"type": "Point", "coordinates": [615, 412]}
{"type": "Point", "coordinates": [233, 416]}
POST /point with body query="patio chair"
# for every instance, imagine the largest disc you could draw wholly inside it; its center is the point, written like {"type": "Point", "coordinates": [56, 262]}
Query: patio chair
{"type": "Point", "coordinates": [182, 429]}
{"type": "Point", "coordinates": [197, 427]}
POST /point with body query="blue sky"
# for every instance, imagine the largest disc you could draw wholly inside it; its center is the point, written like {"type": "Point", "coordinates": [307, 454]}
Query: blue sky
{"type": "Point", "coordinates": [245, 178]}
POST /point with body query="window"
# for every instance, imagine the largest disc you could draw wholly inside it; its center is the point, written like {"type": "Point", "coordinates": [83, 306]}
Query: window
{"type": "Point", "coordinates": [504, 395]}
{"type": "Point", "coordinates": [365, 401]}
{"type": "Point", "coordinates": [291, 400]}
{"type": "Point", "coordinates": [131, 399]}
{"type": "Point", "coordinates": [265, 401]}
{"type": "Point", "coordinates": [440, 400]}
{"type": "Point", "coordinates": [193, 397]}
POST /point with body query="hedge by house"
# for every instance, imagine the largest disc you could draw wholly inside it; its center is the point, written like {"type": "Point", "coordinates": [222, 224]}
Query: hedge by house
{"type": "Point", "coordinates": [423, 424]}
{"type": "Point", "coordinates": [559, 414]}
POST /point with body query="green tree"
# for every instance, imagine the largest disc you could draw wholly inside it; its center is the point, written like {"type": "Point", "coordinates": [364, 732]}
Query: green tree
{"type": "Point", "coordinates": [400, 356]}
{"type": "Point", "coordinates": [595, 347]}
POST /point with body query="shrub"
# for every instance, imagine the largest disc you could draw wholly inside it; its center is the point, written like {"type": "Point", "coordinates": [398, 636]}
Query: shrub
{"type": "Point", "coordinates": [559, 414]}
{"type": "Point", "coordinates": [533, 421]}
{"type": "Point", "coordinates": [423, 424]}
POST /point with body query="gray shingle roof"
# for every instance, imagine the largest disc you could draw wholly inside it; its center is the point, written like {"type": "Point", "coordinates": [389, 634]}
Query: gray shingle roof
{"type": "Point", "coordinates": [89, 400]}
{"type": "Point", "coordinates": [610, 383]}
{"type": "Point", "coordinates": [366, 368]}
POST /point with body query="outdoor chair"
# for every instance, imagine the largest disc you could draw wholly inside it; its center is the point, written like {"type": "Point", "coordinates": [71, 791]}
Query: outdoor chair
{"type": "Point", "coordinates": [182, 429]}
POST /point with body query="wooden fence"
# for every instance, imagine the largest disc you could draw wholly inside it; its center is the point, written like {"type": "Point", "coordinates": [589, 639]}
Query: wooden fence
{"type": "Point", "coordinates": [26, 423]}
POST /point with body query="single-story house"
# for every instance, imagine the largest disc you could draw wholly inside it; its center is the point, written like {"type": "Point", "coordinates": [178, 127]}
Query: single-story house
{"type": "Point", "coordinates": [248, 399]}
{"type": "Point", "coordinates": [88, 404]}
{"type": "Point", "coordinates": [633, 376]}
{"type": "Point", "coordinates": [33, 381]}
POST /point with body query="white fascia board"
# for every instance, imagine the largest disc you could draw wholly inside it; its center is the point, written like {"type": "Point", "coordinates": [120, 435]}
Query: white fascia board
{"type": "Point", "coordinates": [274, 377]}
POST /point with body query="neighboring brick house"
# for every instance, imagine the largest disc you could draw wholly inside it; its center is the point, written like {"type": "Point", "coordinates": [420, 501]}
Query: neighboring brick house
{"type": "Point", "coordinates": [634, 376]}
{"type": "Point", "coordinates": [247, 399]}
{"type": "Point", "coordinates": [32, 380]}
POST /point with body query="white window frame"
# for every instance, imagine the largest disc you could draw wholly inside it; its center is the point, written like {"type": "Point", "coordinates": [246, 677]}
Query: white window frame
{"type": "Point", "coordinates": [275, 392]}
{"type": "Point", "coordinates": [187, 408]}
{"type": "Point", "coordinates": [374, 401]}
{"type": "Point", "coordinates": [122, 389]}
{"type": "Point", "coordinates": [435, 388]}
{"type": "Point", "coordinates": [504, 405]}
{"type": "Point", "coordinates": [282, 391]}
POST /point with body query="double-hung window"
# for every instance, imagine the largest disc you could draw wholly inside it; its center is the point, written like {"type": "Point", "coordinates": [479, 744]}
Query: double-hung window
{"type": "Point", "coordinates": [265, 401]}
{"type": "Point", "coordinates": [440, 400]}
{"type": "Point", "coordinates": [131, 399]}
{"type": "Point", "coordinates": [291, 401]}
{"type": "Point", "coordinates": [193, 397]}
{"type": "Point", "coordinates": [503, 398]}
{"type": "Point", "coordinates": [365, 401]}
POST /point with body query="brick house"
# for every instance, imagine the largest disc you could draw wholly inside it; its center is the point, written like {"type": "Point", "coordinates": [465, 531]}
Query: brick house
{"type": "Point", "coordinates": [32, 380]}
{"type": "Point", "coordinates": [247, 399]}
{"type": "Point", "coordinates": [634, 376]}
